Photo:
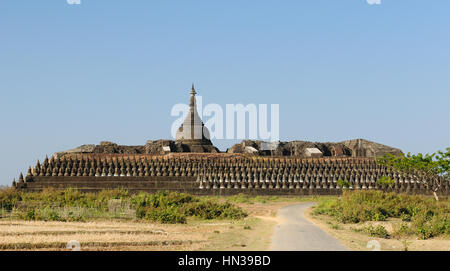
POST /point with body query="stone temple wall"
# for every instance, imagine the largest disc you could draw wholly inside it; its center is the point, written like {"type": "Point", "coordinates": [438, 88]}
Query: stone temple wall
{"type": "Point", "coordinates": [215, 174]}
{"type": "Point", "coordinates": [349, 148]}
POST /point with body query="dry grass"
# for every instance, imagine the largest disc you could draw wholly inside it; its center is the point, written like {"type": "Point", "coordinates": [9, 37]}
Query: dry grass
{"type": "Point", "coordinates": [351, 235]}
{"type": "Point", "coordinates": [96, 235]}
{"type": "Point", "coordinates": [251, 233]}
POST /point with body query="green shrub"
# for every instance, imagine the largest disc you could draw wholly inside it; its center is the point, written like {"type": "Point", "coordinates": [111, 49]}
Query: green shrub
{"type": "Point", "coordinates": [385, 181]}
{"type": "Point", "coordinates": [429, 225]}
{"type": "Point", "coordinates": [174, 207]}
{"type": "Point", "coordinates": [28, 214]}
{"type": "Point", "coordinates": [326, 206]}
{"type": "Point", "coordinates": [170, 215]}
{"type": "Point", "coordinates": [53, 216]}
{"type": "Point", "coordinates": [379, 231]}
{"type": "Point", "coordinates": [428, 217]}
{"type": "Point", "coordinates": [402, 230]}
{"type": "Point", "coordinates": [212, 210]}
{"type": "Point", "coordinates": [9, 198]}
{"type": "Point", "coordinates": [73, 205]}
{"type": "Point", "coordinates": [161, 199]}
{"type": "Point", "coordinates": [343, 183]}
{"type": "Point", "coordinates": [335, 226]}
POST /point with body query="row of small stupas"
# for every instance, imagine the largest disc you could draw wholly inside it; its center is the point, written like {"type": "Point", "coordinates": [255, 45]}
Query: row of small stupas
{"type": "Point", "coordinates": [213, 172]}
{"type": "Point", "coordinates": [191, 163]}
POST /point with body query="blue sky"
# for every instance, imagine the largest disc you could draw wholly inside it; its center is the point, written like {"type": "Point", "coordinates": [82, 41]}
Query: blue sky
{"type": "Point", "coordinates": [113, 69]}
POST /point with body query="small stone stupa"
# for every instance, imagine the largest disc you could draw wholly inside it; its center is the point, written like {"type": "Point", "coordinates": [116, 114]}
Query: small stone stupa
{"type": "Point", "coordinates": [192, 134]}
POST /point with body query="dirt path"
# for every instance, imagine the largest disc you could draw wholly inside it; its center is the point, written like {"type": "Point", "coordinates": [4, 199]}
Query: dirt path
{"type": "Point", "coordinates": [295, 232]}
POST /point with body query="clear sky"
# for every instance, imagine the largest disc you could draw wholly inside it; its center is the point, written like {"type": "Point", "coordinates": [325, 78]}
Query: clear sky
{"type": "Point", "coordinates": [113, 69]}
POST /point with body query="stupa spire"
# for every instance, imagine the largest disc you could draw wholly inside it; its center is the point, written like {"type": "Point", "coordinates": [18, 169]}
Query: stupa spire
{"type": "Point", "coordinates": [192, 128]}
{"type": "Point", "coordinates": [193, 90]}
{"type": "Point", "coordinates": [192, 100]}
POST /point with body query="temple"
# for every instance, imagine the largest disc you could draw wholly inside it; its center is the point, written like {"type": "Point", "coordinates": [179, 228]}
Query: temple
{"type": "Point", "coordinates": [192, 164]}
{"type": "Point", "coordinates": [192, 135]}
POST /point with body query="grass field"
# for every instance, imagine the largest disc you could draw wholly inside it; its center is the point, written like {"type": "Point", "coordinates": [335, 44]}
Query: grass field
{"type": "Point", "coordinates": [354, 237]}
{"type": "Point", "coordinates": [111, 221]}
{"type": "Point", "coordinates": [250, 233]}
{"type": "Point", "coordinates": [396, 222]}
{"type": "Point", "coordinates": [115, 220]}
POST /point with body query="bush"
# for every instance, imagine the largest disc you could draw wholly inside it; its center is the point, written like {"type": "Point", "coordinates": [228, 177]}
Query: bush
{"type": "Point", "coordinates": [429, 225]}
{"type": "Point", "coordinates": [9, 198]}
{"type": "Point", "coordinates": [379, 231]}
{"type": "Point", "coordinates": [170, 215]}
{"type": "Point", "coordinates": [212, 210]}
{"type": "Point", "coordinates": [52, 214]}
{"type": "Point", "coordinates": [326, 206]}
{"type": "Point", "coordinates": [402, 230]}
{"type": "Point", "coordinates": [385, 181]}
{"type": "Point", "coordinates": [343, 183]}
{"type": "Point", "coordinates": [73, 205]}
{"type": "Point", "coordinates": [428, 217]}
{"type": "Point", "coordinates": [175, 207]}
{"type": "Point", "coordinates": [28, 214]}
{"type": "Point", "coordinates": [161, 199]}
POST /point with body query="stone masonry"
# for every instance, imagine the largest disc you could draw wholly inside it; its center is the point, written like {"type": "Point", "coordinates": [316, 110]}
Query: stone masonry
{"type": "Point", "coordinates": [214, 174]}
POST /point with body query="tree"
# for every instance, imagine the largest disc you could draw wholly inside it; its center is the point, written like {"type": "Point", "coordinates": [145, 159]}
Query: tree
{"type": "Point", "coordinates": [385, 182]}
{"type": "Point", "coordinates": [343, 183]}
{"type": "Point", "coordinates": [431, 169]}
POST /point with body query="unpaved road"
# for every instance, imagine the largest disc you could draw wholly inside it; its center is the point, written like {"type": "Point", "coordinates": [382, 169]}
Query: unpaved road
{"type": "Point", "coordinates": [295, 232]}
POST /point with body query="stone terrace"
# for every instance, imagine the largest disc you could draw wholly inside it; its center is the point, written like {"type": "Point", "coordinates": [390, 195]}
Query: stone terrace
{"type": "Point", "coordinates": [215, 174]}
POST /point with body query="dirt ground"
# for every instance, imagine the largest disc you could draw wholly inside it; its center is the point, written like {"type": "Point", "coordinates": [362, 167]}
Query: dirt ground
{"type": "Point", "coordinates": [348, 235]}
{"type": "Point", "coordinates": [251, 233]}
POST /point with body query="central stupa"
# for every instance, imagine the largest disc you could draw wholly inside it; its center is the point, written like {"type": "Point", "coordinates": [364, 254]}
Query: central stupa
{"type": "Point", "coordinates": [192, 133]}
